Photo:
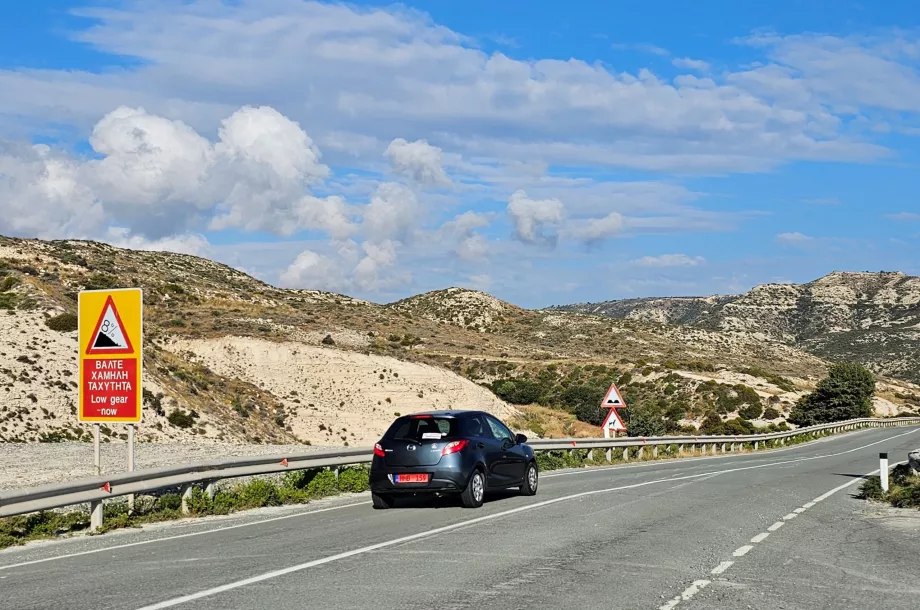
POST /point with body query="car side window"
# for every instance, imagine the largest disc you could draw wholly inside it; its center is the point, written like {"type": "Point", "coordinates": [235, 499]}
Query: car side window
{"type": "Point", "coordinates": [477, 428]}
{"type": "Point", "coordinates": [499, 430]}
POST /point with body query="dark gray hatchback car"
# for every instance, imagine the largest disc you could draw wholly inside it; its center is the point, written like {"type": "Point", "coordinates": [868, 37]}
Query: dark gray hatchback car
{"type": "Point", "coordinates": [463, 453]}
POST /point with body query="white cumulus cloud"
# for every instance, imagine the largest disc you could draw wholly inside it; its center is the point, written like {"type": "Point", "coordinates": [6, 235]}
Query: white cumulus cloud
{"type": "Point", "coordinates": [419, 161]}
{"type": "Point", "coordinates": [531, 217]}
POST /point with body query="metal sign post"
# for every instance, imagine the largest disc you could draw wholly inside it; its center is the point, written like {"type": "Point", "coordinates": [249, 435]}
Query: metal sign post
{"type": "Point", "coordinates": [97, 457]}
{"type": "Point", "coordinates": [131, 463]}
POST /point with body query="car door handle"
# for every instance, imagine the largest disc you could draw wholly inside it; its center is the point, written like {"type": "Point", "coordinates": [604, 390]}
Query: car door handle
{"type": "Point", "coordinates": [481, 445]}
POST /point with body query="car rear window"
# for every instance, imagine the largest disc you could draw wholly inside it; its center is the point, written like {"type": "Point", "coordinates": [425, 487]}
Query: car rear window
{"type": "Point", "coordinates": [423, 428]}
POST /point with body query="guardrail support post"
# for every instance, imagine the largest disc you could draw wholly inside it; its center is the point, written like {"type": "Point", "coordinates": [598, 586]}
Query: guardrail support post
{"type": "Point", "coordinates": [608, 453]}
{"type": "Point", "coordinates": [625, 454]}
{"type": "Point", "coordinates": [211, 489]}
{"type": "Point", "coordinates": [95, 515]}
{"type": "Point", "coordinates": [641, 453]}
{"type": "Point", "coordinates": [655, 451]}
{"type": "Point", "coordinates": [186, 494]}
{"type": "Point", "coordinates": [883, 470]}
{"type": "Point", "coordinates": [723, 447]}
{"type": "Point", "coordinates": [756, 445]}
{"type": "Point", "coordinates": [590, 456]}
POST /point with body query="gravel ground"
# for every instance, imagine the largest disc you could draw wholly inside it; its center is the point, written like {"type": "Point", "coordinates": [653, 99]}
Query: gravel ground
{"type": "Point", "coordinates": [30, 465]}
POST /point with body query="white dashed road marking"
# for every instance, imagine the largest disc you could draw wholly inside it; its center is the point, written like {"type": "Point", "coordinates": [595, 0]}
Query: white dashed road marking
{"type": "Point", "coordinates": [689, 592]}
{"type": "Point", "coordinates": [696, 587]}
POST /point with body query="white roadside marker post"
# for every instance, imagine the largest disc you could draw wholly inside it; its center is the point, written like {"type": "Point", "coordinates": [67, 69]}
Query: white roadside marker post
{"type": "Point", "coordinates": [883, 470]}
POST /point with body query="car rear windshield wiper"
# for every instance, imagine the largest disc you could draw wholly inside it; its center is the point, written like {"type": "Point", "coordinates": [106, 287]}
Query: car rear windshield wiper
{"type": "Point", "coordinates": [406, 438]}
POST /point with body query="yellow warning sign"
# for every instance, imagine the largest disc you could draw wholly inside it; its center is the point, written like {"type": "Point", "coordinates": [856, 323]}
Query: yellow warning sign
{"type": "Point", "coordinates": [111, 355]}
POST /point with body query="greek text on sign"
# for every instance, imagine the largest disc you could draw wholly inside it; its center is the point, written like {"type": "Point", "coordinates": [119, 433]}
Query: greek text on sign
{"type": "Point", "coordinates": [111, 340]}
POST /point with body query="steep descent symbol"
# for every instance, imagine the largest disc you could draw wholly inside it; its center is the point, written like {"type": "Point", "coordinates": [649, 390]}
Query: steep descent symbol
{"type": "Point", "coordinates": [613, 398]}
{"type": "Point", "coordinates": [109, 336]}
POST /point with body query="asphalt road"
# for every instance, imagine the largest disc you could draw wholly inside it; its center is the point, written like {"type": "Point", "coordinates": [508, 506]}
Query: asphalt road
{"type": "Point", "coordinates": [695, 533]}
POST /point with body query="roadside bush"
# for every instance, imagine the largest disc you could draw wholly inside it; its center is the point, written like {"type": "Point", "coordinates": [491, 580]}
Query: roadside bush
{"type": "Point", "coordinates": [751, 411]}
{"type": "Point", "coordinates": [259, 493]}
{"type": "Point", "coordinates": [169, 502]}
{"type": "Point", "coordinates": [846, 393]}
{"type": "Point", "coordinates": [643, 421]}
{"type": "Point", "coordinates": [63, 323]}
{"type": "Point", "coordinates": [771, 413]}
{"type": "Point", "coordinates": [354, 480]}
{"type": "Point", "coordinates": [181, 419]}
{"type": "Point", "coordinates": [323, 484]}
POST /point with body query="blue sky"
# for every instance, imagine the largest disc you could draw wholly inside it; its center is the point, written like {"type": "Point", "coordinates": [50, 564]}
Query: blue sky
{"type": "Point", "coordinates": [544, 152]}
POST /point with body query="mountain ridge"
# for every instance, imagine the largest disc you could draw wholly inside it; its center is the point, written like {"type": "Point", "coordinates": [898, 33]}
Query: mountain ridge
{"type": "Point", "coordinates": [868, 317]}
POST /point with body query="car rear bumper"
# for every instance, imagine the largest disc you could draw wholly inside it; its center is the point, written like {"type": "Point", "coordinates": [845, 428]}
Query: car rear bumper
{"type": "Point", "coordinates": [440, 480]}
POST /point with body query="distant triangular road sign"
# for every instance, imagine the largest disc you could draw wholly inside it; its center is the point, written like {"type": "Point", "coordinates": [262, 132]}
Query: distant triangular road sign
{"type": "Point", "coordinates": [613, 398]}
{"type": "Point", "coordinates": [613, 421]}
{"type": "Point", "coordinates": [109, 336]}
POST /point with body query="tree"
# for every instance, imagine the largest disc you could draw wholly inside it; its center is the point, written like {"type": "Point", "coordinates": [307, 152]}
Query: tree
{"type": "Point", "coordinates": [846, 393]}
{"type": "Point", "coordinates": [585, 402]}
{"type": "Point", "coordinates": [644, 421]}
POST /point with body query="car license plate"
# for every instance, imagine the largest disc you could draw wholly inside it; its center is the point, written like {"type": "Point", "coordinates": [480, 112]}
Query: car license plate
{"type": "Point", "coordinates": [411, 478]}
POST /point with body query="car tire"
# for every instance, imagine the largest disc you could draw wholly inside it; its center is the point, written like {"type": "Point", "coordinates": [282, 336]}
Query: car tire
{"type": "Point", "coordinates": [529, 485]}
{"type": "Point", "coordinates": [381, 501]}
{"type": "Point", "coordinates": [475, 490]}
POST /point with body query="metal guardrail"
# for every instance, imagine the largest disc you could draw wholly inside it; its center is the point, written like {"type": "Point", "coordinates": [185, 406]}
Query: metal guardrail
{"type": "Point", "coordinates": [95, 490]}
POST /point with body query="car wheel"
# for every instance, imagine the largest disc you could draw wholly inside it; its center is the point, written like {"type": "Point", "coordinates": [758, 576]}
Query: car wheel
{"type": "Point", "coordinates": [475, 490]}
{"type": "Point", "coordinates": [531, 479]}
{"type": "Point", "coordinates": [381, 502]}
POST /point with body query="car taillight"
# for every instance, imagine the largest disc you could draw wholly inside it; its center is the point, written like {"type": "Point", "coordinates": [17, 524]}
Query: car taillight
{"type": "Point", "coordinates": [453, 447]}
{"type": "Point", "coordinates": [378, 450]}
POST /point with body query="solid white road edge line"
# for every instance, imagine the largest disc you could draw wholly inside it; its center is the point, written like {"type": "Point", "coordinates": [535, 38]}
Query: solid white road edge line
{"type": "Point", "coordinates": [177, 536]}
{"type": "Point", "coordinates": [169, 603]}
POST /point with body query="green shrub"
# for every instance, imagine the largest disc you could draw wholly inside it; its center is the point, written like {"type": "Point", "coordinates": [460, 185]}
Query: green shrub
{"type": "Point", "coordinates": [751, 411]}
{"type": "Point", "coordinates": [846, 393]}
{"type": "Point", "coordinates": [181, 419]}
{"type": "Point", "coordinates": [169, 501]}
{"type": "Point", "coordinates": [771, 413]}
{"type": "Point", "coordinates": [63, 323]}
{"type": "Point", "coordinates": [642, 420]}
{"type": "Point", "coordinates": [322, 484]}
{"type": "Point", "coordinates": [258, 493]}
{"type": "Point", "coordinates": [198, 502]}
{"type": "Point", "coordinates": [8, 282]}
{"type": "Point", "coordinates": [225, 502]}
{"type": "Point", "coordinates": [353, 480]}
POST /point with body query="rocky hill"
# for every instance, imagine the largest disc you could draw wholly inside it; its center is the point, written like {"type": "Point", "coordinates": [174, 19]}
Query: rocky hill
{"type": "Point", "coordinates": [231, 359]}
{"type": "Point", "coordinates": [871, 318]}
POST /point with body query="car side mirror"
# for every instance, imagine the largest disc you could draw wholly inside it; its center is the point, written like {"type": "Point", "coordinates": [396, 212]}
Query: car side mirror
{"type": "Point", "coordinates": [519, 439]}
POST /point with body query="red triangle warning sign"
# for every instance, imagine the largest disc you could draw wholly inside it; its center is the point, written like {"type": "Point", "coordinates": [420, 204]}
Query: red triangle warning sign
{"type": "Point", "coordinates": [613, 421]}
{"type": "Point", "coordinates": [613, 398]}
{"type": "Point", "coordinates": [109, 336]}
